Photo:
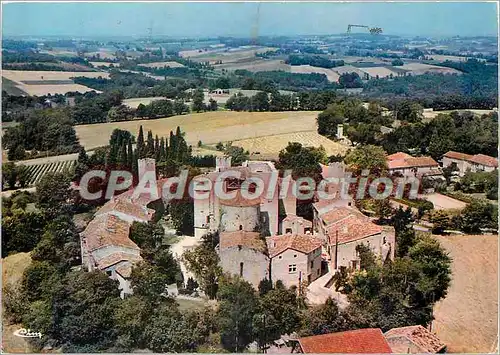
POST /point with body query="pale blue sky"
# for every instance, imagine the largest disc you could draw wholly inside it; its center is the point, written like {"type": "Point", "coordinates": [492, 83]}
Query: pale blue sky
{"type": "Point", "coordinates": [240, 19]}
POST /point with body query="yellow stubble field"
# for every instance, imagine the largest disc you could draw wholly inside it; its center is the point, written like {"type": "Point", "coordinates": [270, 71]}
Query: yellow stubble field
{"type": "Point", "coordinates": [210, 127]}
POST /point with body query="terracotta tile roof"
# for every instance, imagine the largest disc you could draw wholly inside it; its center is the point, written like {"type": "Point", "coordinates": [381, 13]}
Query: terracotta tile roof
{"type": "Point", "coordinates": [485, 160]}
{"type": "Point", "coordinates": [240, 201]}
{"type": "Point", "coordinates": [114, 258]}
{"type": "Point", "coordinates": [352, 228]}
{"type": "Point", "coordinates": [398, 156]}
{"type": "Point", "coordinates": [457, 155]}
{"type": "Point", "coordinates": [361, 341]}
{"type": "Point", "coordinates": [397, 164]}
{"type": "Point", "coordinates": [426, 341]}
{"type": "Point", "coordinates": [421, 161]}
{"type": "Point", "coordinates": [250, 240]}
{"type": "Point", "coordinates": [303, 243]}
{"type": "Point", "coordinates": [126, 207]}
{"type": "Point", "coordinates": [107, 230]}
{"type": "Point", "coordinates": [292, 217]}
{"type": "Point", "coordinates": [403, 160]}
{"type": "Point", "coordinates": [339, 213]}
{"type": "Point", "coordinates": [124, 269]}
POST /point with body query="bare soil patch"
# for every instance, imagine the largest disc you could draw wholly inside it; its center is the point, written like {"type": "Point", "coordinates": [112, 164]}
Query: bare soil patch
{"type": "Point", "coordinates": [467, 319]}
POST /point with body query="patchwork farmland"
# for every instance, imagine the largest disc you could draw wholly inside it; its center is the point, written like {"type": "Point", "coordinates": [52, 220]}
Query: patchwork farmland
{"type": "Point", "coordinates": [48, 82]}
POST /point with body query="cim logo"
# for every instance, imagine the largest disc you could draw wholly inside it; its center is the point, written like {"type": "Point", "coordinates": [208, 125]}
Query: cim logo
{"type": "Point", "coordinates": [27, 333]}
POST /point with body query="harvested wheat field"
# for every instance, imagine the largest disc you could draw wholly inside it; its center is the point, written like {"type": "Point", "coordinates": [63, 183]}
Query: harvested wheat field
{"type": "Point", "coordinates": [467, 319]}
{"type": "Point", "coordinates": [268, 147]}
{"type": "Point", "coordinates": [49, 82]}
{"type": "Point", "coordinates": [332, 75]}
{"type": "Point", "coordinates": [170, 64]}
{"type": "Point", "coordinates": [209, 127]}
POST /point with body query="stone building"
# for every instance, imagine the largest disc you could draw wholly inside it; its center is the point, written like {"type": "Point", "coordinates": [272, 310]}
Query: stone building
{"type": "Point", "coordinates": [105, 242]}
{"type": "Point", "coordinates": [209, 210]}
{"type": "Point", "coordinates": [465, 162]}
{"type": "Point", "coordinates": [409, 166]}
{"type": "Point", "coordinates": [294, 258]}
{"type": "Point", "coordinates": [244, 254]}
{"type": "Point", "coordinates": [343, 228]}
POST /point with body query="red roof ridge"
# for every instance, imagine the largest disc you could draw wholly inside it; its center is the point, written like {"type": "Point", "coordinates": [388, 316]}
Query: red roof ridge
{"type": "Point", "coordinates": [361, 341]}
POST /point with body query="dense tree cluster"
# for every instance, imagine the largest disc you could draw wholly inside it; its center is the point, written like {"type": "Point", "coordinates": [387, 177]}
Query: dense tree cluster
{"type": "Point", "coordinates": [49, 131]}
{"type": "Point", "coordinates": [459, 131]}
{"type": "Point", "coordinates": [313, 60]}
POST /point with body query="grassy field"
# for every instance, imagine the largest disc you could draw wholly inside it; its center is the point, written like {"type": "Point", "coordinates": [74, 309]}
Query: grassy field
{"type": "Point", "coordinates": [136, 101]}
{"type": "Point", "coordinates": [12, 87]}
{"type": "Point", "coordinates": [268, 147]}
{"type": "Point", "coordinates": [209, 127]}
{"type": "Point", "coordinates": [32, 82]}
{"type": "Point", "coordinates": [13, 267]}
{"type": "Point", "coordinates": [467, 319]}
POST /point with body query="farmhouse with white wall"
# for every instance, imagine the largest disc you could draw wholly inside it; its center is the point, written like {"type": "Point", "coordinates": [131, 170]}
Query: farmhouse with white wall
{"type": "Point", "coordinates": [464, 162]}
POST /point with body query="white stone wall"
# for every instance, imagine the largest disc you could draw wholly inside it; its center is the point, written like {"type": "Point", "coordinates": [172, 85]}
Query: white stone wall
{"type": "Point", "coordinates": [347, 251]}
{"type": "Point", "coordinates": [271, 207]}
{"type": "Point", "coordinates": [239, 218]}
{"type": "Point", "coordinates": [280, 267]}
{"type": "Point", "coordinates": [255, 264]}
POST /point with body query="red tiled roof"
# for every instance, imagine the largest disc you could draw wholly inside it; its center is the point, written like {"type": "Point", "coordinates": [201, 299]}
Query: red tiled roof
{"type": "Point", "coordinates": [485, 160]}
{"type": "Point", "coordinates": [398, 156]}
{"type": "Point", "coordinates": [426, 341]}
{"type": "Point", "coordinates": [124, 269]}
{"type": "Point", "coordinates": [114, 258]}
{"type": "Point", "coordinates": [352, 228]}
{"type": "Point", "coordinates": [107, 230]}
{"type": "Point", "coordinates": [250, 240]}
{"type": "Point", "coordinates": [340, 213]}
{"type": "Point", "coordinates": [126, 207]}
{"type": "Point", "coordinates": [240, 201]}
{"type": "Point", "coordinates": [292, 217]}
{"type": "Point", "coordinates": [403, 160]}
{"type": "Point", "coordinates": [303, 243]}
{"type": "Point", "coordinates": [456, 155]}
{"type": "Point", "coordinates": [361, 341]}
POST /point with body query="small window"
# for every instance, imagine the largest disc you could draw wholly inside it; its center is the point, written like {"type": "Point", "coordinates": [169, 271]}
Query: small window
{"type": "Point", "coordinates": [109, 272]}
{"type": "Point", "coordinates": [288, 230]}
{"type": "Point", "coordinates": [279, 257]}
{"type": "Point", "coordinates": [208, 219]}
{"type": "Point", "coordinates": [241, 227]}
{"type": "Point", "coordinates": [292, 268]}
{"type": "Point", "coordinates": [294, 255]}
{"type": "Point", "coordinates": [317, 272]}
{"type": "Point", "coordinates": [241, 269]}
{"type": "Point", "coordinates": [312, 264]}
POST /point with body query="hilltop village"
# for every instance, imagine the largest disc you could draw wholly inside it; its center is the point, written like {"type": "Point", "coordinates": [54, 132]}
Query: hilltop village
{"type": "Point", "coordinates": [332, 193]}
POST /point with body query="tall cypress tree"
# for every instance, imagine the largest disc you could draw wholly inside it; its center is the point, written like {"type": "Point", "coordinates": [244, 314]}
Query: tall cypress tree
{"type": "Point", "coordinates": [150, 149]}
{"type": "Point", "coordinates": [163, 156]}
{"type": "Point", "coordinates": [141, 151]}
